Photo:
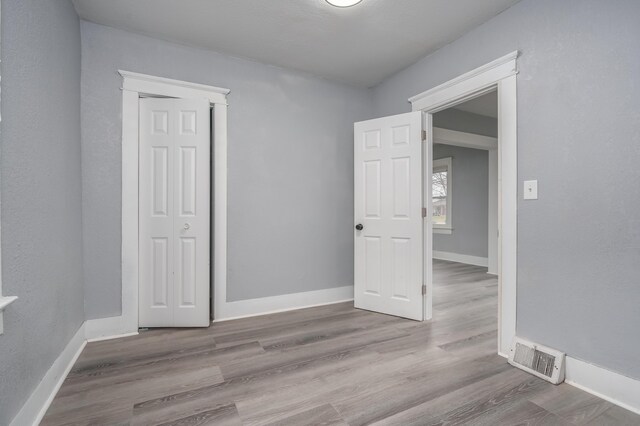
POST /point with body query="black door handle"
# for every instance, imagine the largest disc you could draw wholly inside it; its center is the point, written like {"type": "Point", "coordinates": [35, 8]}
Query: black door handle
{"type": "Point", "coordinates": [359, 227]}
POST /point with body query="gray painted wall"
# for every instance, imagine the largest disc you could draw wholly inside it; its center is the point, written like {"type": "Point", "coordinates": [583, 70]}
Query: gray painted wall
{"type": "Point", "coordinates": [290, 167]}
{"type": "Point", "coordinates": [41, 232]}
{"type": "Point", "coordinates": [579, 135]}
{"type": "Point", "coordinates": [464, 121]}
{"type": "Point", "coordinates": [470, 201]}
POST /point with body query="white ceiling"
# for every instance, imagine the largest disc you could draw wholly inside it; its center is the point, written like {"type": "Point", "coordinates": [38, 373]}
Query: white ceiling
{"type": "Point", "coordinates": [360, 45]}
{"type": "Point", "coordinates": [486, 105]}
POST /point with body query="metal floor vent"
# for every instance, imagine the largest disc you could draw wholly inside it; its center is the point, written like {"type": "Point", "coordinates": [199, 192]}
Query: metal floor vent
{"type": "Point", "coordinates": [546, 363]}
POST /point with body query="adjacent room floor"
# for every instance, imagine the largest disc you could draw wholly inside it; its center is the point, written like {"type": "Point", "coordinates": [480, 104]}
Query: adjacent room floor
{"type": "Point", "coordinates": [326, 365]}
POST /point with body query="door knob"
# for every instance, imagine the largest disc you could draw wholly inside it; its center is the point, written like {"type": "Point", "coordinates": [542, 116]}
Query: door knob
{"type": "Point", "coordinates": [359, 227]}
{"type": "Point", "coordinates": [187, 226]}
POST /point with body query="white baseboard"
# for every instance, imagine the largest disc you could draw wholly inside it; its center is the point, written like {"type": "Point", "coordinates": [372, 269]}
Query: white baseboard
{"type": "Point", "coordinates": [285, 302]}
{"type": "Point", "coordinates": [608, 385]}
{"type": "Point", "coordinates": [36, 406]}
{"type": "Point", "coordinates": [38, 403]}
{"type": "Point", "coordinates": [113, 327]}
{"type": "Point", "coordinates": [111, 337]}
{"type": "Point", "coordinates": [461, 258]}
{"type": "Point", "coordinates": [105, 329]}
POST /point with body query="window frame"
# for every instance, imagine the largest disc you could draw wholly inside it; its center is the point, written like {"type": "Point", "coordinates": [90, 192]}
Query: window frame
{"type": "Point", "coordinates": [439, 165]}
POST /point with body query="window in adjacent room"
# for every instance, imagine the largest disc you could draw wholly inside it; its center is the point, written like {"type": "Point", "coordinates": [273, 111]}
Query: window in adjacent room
{"type": "Point", "coordinates": [441, 195]}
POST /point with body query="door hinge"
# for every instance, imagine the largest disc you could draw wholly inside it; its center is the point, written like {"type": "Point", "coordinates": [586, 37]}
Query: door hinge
{"type": "Point", "coordinates": [424, 212]}
{"type": "Point", "coordinates": [424, 289]}
{"type": "Point", "coordinates": [424, 135]}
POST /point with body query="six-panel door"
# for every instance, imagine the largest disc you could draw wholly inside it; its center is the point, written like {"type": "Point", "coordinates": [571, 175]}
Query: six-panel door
{"type": "Point", "coordinates": [174, 206]}
{"type": "Point", "coordinates": [388, 205]}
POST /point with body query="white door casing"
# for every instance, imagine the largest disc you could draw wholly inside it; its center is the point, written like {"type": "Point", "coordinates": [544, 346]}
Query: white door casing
{"type": "Point", "coordinates": [174, 218]}
{"type": "Point", "coordinates": [501, 74]}
{"type": "Point", "coordinates": [388, 204]}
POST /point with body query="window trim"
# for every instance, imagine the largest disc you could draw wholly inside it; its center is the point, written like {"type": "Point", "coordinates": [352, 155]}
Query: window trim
{"type": "Point", "coordinates": [445, 163]}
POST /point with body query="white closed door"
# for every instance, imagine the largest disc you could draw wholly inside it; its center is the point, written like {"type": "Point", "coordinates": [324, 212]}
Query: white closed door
{"type": "Point", "coordinates": [388, 215]}
{"type": "Point", "coordinates": [174, 205]}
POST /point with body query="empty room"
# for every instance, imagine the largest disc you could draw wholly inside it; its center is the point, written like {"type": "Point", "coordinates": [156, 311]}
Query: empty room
{"type": "Point", "coordinates": [319, 212]}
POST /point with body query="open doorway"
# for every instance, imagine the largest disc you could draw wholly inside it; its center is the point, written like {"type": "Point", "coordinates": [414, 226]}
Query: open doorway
{"type": "Point", "coordinates": [464, 185]}
{"type": "Point", "coordinates": [498, 75]}
{"type": "Point", "coordinates": [393, 163]}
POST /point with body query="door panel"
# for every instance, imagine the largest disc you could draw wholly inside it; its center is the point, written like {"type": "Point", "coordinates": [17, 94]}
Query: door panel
{"type": "Point", "coordinates": [388, 203]}
{"type": "Point", "coordinates": [372, 189]}
{"type": "Point", "coordinates": [174, 219]}
{"type": "Point", "coordinates": [187, 272]}
{"type": "Point", "coordinates": [401, 187]}
{"type": "Point", "coordinates": [160, 272]}
{"type": "Point", "coordinates": [160, 181]}
{"type": "Point", "coordinates": [400, 268]}
{"type": "Point", "coordinates": [373, 265]}
{"type": "Point", "coordinates": [188, 181]}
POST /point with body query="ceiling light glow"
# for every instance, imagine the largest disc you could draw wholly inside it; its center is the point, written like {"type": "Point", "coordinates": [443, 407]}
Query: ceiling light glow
{"type": "Point", "coordinates": [343, 3]}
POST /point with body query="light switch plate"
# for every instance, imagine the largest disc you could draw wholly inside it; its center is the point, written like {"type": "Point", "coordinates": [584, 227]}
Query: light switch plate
{"type": "Point", "coordinates": [530, 189]}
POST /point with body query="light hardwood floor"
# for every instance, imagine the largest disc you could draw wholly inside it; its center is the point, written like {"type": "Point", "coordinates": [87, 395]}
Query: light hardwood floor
{"type": "Point", "coordinates": [331, 365]}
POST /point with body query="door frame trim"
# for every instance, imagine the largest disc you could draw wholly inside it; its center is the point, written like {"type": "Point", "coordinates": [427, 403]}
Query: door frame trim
{"type": "Point", "coordinates": [134, 87]}
{"type": "Point", "coordinates": [501, 74]}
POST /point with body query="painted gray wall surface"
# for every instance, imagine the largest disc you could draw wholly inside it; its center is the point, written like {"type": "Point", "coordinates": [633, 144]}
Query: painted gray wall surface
{"type": "Point", "coordinates": [579, 135]}
{"type": "Point", "coordinates": [468, 122]}
{"type": "Point", "coordinates": [470, 201]}
{"type": "Point", "coordinates": [41, 232]}
{"type": "Point", "coordinates": [290, 197]}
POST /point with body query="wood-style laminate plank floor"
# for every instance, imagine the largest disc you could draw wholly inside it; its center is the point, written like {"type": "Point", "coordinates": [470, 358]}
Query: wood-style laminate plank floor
{"type": "Point", "coordinates": [331, 365]}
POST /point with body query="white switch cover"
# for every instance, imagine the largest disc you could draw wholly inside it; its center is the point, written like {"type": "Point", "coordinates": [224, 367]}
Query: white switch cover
{"type": "Point", "coordinates": [530, 189]}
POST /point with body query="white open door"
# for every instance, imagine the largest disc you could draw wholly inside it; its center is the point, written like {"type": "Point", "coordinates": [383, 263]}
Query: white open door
{"type": "Point", "coordinates": [388, 215]}
{"type": "Point", "coordinates": [174, 207]}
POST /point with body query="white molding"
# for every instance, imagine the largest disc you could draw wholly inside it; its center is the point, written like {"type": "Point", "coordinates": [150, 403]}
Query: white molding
{"type": "Point", "coordinates": [463, 139]}
{"type": "Point", "coordinates": [427, 249]}
{"type": "Point", "coordinates": [507, 211]}
{"type": "Point", "coordinates": [440, 163]}
{"type": "Point", "coordinates": [6, 301]}
{"type": "Point", "coordinates": [500, 74]}
{"type": "Point", "coordinates": [461, 258]}
{"type": "Point", "coordinates": [220, 213]}
{"type": "Point", "coordinates": [493, 239]}
{"type": "Point", "coordinates": [608, 385]}
{"type": "Point", "coordinates": [285, 302]}
{"type": "Point", "coordinates": [129, 297]}
{"type": "Point", "coordinates": [36, 406]}
{"type": "Point", "coordinates": [135, 86]}
{"type": "Point", "coordinates": [466, 86]}
{"type": "Point", "coordinates": [444, 230]}
{"type": "Point", "coordinates": [152, 85]}
{"type": "Point", "coordinates": [106, 328]}
{"type": "Point", "coordinates": [111, 337]}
